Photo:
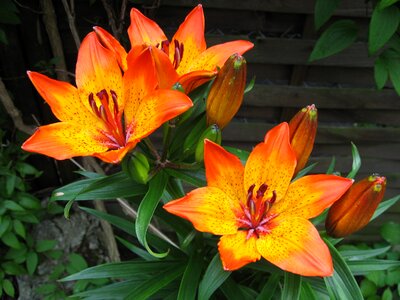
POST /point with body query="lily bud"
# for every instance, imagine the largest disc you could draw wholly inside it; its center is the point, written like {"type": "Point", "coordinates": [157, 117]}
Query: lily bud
{"type": "Point", "coordinates": [138, 168]}
{"type": "Point", "coordinates": [212, 133]}
{"type": "Point", "coordinates": [303, 128]}
{"type": "Point", "coordinates": [226, 94]}
{"type": "Point", "coordinates": [354, 210]}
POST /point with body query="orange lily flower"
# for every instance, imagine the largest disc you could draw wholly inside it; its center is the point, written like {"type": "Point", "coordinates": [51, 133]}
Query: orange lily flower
{"type": "Point", "coordinates": [189, 58]}
{"type": "Point", "coordinates": [108, 112]}
{"type": "Point", "coordinates": [259, 211]}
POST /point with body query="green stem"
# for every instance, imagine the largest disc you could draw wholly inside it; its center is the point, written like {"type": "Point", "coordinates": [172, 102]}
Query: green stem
{"type": "Point", "coordinates": [167, 139]}
{"type": "Point", "coordinates": [152, 149]}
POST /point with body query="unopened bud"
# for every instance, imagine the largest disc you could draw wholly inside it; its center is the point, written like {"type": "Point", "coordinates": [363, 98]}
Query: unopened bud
{"type": "Point", "coordinates": [354, 210]}
{"type": "Point", "coordinates": [303, 128]}
{"type": "Point", "coordinates": [226, 94]}
{"type": "Point", "coordinates": [138, 168]}
{"type": "Point", "coordinates": [212, 133]}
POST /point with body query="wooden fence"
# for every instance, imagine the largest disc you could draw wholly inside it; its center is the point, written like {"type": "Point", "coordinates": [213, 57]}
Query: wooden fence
{"type": "Point", "coordinates": [341, 86]}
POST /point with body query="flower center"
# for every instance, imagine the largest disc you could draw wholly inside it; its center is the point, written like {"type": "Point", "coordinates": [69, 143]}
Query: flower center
{"type": "Point", "coordinates": [255, 216]}
{"type": "Point", "coordinates": [178, 51]}
{"type": "Point", "coordinates": [107, 111]}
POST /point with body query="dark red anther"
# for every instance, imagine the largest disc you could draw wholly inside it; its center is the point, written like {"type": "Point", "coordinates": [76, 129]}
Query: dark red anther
{"type": "Point", "coordinates": [178, 51]}
{"type": "Point", "coordinates": [115, 101]}
{"type": "Point", "coordinates": [261, 191]}
{"type": "Point", "coordinates": [103, 96]}
{"type": "Point", "coordinates": [273, 198]}
{"type": "Point", "coordinates": [165, 46]}
{"type": "Point", "coordinates": [93, 105]}
{"type": "Point", "coordinates": [250, 194]}
{"type": "Point", "coordinates": [103, 113]}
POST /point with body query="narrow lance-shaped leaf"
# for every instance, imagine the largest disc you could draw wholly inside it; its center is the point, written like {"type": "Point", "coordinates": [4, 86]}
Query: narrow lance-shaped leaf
{"type": "Point", "coordinates": [336, 38]}
{"type": "Point", "coordinates": [356, 161]}
{"type": "Point", "coordinates": [147, 208]}
{"type": "Point", "coordinates": [291, 286]}
{"type": "Point", "coordinates": [323, 11]}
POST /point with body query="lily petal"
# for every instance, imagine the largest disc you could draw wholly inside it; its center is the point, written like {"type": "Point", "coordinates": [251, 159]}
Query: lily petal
{"type": "Point", "coordinates": [62, 97]}
{"type": "Point", "coordinates": [115, 156]}
{"type": "Point", "coordinates": [97, 69]}
{"type": "Point", "coordinates": [272, 162]}
{"type": "Point", "coordinates": [137, 84]}
{"type": "Point", "coordinates": [194, 79]}
{"type": "Point", "coordinates": [64, 140]}
{"type": "Point", "coordinates": [236, 250]}
{"type": "Point", "coordinates": [144, 31]}
{"type": "Point", "coordinates": [208, 208]}
{"type": "Point", "coordinates": [308, 196]}
{"type": "Point", "coordinates": [216, 56]}
{"type": "Point", "coordinates": [294, 245]}
{"type": "Point", "coordinates": [157, 108]}
{"type": "Point", "coordinates": [112, 44]}
{"type": "Point", "coordinates": [224, 171]}
{"type": "Point", "coordinates": [191, 34]}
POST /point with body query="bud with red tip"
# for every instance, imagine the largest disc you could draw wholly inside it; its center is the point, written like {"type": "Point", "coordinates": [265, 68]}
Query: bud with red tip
{"type": "Point", "coordinates": [303, 128]}
{"type": "Point", "coordinates": [226, 94]}
{"type": "Point", "coordinates": [354, 210]}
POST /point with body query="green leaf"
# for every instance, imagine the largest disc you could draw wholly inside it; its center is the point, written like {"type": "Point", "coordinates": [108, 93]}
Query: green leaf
{"type": "Point", "coordinates": [103, 188]}
{"type": "Point", "coordinates": [195, 178]}
{"type": "Point", "coordinates": [291, 286]}
{"type": "Point", "coordinates": [390, 231]}
{"type": "Point", "coordinates": [10, 184]}
{"type": "Point", "coordinates": [45, 245]}
{"type": "Point", "coordinates": [323, 11]}
{"type": "Point", "coordinates": [11, 240]}
{"type": "Point", "coordinates": [368, 288]}
{"type": "Point", "coordinates": [356, 161]}
{"type": "Point", "coordinates": [363, 267]}
{"type": "Point", "coordinates": [307, 291]}
{"type": "Point", "coordinates": [305, 171]}
{"type": "Point", "coordinates": [342, 284]}
{"type": "Point", "coordinates": [383, 24]}
{"type": "Point", "coordinates": [393, 276]}
{"type": "Point", "coordinates": [77, 263]}
{"type": "Point", "coordinates": [336, 38]}
{"type": "Point", "coordinates": [214, 276]}
{"type": "Point", "coordinates": [128, 269]}
{"type": "Point", "coordinates": [4, 225]}
{"type": "Point", "coordinates": [47, 288]}
{"type": "Point", "coordinates": [32, 260]}
{"type": "Point", "coordinates": [155, 283]}
{"type": "Point", "coordinates": [12, 268]}
{"type": "Point", "coordinates": [381, 72]}
{"type": "Point", "coordinates": [26, 169]}
{"type": "Point", "coordinates": [234, 291]}
{"type": "Point", "coordinates": [387, 294]}
{"type": "Point", "coordinates": [191, 277]}
{"type": "Point", "coordinates": [4, 40]}
{"type": "Point", "coordinates": [250, 85]}
{"type": "Point", "coordinates": [8, 288]}
{"type": "Point", "coordinates": [377, 277]}
{"type": "Point", "coordinates": [135, 249]}
{"type": "Point", "coordinates": [109, 292]}
{"type": "Point", "coordinates": [147, 207]}
{"type": "Point", "coordinates": [13, 206]}
{"type": "Point", "coordinates": [28, 201]}
{"type": "Point", "coordinates": [384, 206]}
{"type": "Point", "coordinates": [269, 288]}
{"type": "Point", "coordinates": [8, 13]}
{"type": "Point", "coordinates": [359, 254]}
{"type": "Point", "coordinates": [393, 64]}
{"type": "Point", "coordinates": [19, 228]}
{"type": "Point", "coordinates": [385, 3]}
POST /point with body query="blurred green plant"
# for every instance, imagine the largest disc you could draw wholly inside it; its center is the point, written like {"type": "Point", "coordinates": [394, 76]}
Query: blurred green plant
{"type": "Point", "coordinates": [8, 16]}
{"type": "Point", "coordinates": [383, 38]}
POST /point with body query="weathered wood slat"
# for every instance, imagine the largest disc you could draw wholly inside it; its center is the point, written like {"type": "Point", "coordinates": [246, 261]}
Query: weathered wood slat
{"type": "Point", "coordinates": [255, 131]}
{"type": "Point", "coordinates": [296, 52]}
{"type": "Point", "coordinates": [355, 8]}
{"type": "Point", "coordinates": [334, 98]}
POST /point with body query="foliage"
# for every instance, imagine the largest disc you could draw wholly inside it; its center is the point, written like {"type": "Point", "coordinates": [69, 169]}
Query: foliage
{"type": "Point", "coordinates": [383, 39]}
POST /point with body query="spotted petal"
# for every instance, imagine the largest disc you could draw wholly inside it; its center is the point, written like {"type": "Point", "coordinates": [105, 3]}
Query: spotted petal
{"type": "Point", "coordinates": [272, 162]}
{"type": "Point", "coordinates": [209, 209]}
{"type": "Point", "coordinates": [63, 99]}
{"type": "Point", "coordinates": [216, 56]}
{"type": "Point", "coordinates": [308, 196]}
{"type": "Point", "coordinates": [64, 140]}
{"type": "Point", "coordinates": [294, 245]}
{"type": "Point", "coordinates": [97, 69]}
{"type": "Point", "coordinates": [237, 251]}
{"type": "Point", "coordinates": [144, 31]}
{"type": "Point", "coordinates": [115, 156]}
{"type": "Point", "coordinates": [191, 34]}
{"type": "Point", "coordinates": [224, 171]}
